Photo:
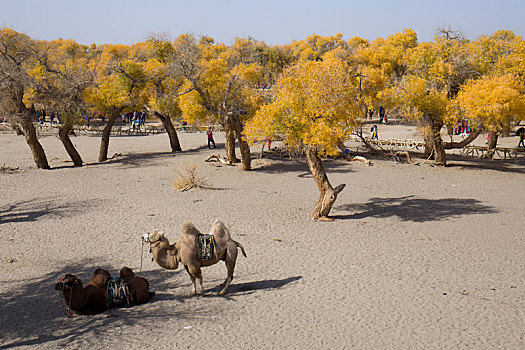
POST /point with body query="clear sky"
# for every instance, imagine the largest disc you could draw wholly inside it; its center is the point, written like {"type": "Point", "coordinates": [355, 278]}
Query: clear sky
{"type": "Point", "coordinates": [272, 21]}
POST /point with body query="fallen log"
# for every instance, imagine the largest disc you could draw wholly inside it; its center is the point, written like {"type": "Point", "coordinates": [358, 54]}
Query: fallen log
{"type": "Point", "coordinates": [407, 155]}
{"type": "Point", "coordinates": [216, 157]}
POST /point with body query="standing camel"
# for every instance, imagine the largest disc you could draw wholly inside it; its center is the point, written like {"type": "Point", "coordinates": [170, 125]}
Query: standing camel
{"type": "Point", "coordinates": [188, 251]}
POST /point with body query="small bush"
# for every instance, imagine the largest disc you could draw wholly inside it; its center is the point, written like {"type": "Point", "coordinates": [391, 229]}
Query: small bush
{"type": "Point", "coordinates": [187, 178]}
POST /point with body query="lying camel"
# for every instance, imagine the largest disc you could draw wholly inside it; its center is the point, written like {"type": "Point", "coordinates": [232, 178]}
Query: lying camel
{"type": "Point", "coordinates": [187, 250]}
{"type": "Point", "coordinates": [138, 286]}
{"type": "Point", "coordinates": [88, 300]}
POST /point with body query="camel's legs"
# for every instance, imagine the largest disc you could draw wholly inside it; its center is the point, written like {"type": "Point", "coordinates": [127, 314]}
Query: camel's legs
{"type": "Point", "coordinates": [195, 274]}
{"type": "Point", "coordinates": [194, 291]}
{"type": "Point", "coordinates": [231, 258]}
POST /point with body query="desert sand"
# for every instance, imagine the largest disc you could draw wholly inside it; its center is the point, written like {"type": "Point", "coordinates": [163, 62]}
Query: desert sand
{"type": "Point", "coordinates": [418, 257]}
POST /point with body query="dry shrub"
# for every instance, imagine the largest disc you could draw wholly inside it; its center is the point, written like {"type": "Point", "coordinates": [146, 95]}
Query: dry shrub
{"type": "Point", "coordinates": [187, 178]}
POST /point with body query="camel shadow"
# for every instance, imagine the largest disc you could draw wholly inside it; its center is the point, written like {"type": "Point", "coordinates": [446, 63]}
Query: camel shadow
{"type": "Point", "coordinates": [251, 287]}
{"type": "Point", "coordinates": [409, 208]}
{"type": "Point", "coordinates": [33, 313]}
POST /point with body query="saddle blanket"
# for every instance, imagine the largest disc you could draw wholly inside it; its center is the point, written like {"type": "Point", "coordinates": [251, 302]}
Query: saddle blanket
{"type": "Point", "coordinates": [117, 293]}
{"type": "Point", "coordinates": [206, 246]}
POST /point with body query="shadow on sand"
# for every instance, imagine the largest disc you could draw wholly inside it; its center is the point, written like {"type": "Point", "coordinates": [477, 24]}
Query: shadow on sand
{"type": "Point", "coordinates": [409, 208]}
{"type": "Point", "coordinates": [27, 211]}
{"type": "Point", "coordinates": [33, 313]}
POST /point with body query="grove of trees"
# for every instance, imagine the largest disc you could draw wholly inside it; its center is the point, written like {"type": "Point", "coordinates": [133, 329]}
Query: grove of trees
{"type": "Point", "coordinates": [312, 93]}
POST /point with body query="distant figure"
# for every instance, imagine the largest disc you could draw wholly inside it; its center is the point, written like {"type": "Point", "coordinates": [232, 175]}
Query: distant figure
{"type": "Point", "coordinates": [521, 134]}
{"type": "Point", "coordinates": [136, 123]}
{"type": "Point", "coordinates": [209, 132]}
{"type": "Point", "coordinates": [370, 114]}
{"type": "Point", "coordinates": [373, 131]}
{"type": "Point", "coordinates": [381, 114]}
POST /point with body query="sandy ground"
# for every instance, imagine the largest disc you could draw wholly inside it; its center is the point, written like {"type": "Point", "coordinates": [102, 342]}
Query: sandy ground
{"type": "Point", "coordinates": [418, 257]}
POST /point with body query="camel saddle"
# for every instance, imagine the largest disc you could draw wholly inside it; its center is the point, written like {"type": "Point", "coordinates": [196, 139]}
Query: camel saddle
{"type": "Point", "coordinates": [206, 246]}
{"type": "Point", "coordinates": [117, 293]}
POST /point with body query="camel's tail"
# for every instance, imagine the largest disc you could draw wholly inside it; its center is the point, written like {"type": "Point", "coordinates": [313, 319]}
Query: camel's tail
{"type": "Point", "coordinates": [242, 248]}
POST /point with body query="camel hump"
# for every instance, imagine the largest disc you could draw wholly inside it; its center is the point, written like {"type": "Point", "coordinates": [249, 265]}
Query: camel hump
{"type": "Point", "coordinates": [218, 230]}
{"type": "Point", "coordinates": [190, 229]}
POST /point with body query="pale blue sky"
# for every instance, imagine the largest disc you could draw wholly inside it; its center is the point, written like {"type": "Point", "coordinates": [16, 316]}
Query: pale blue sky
{"type": "Point", "coordinates": [272, 21]}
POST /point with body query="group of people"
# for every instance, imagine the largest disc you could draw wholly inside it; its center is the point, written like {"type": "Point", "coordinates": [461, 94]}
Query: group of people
{"type": "Point", "coordinates": [462, 128]}
{"type": "Point", "coordinates": [40, 117]}
{"type": "Point", "coordinates": [382, 115]}
{"type": "Point", "coordinates": [137, 119]}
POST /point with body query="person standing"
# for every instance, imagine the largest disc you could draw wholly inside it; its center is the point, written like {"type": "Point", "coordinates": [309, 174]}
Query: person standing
{"type": "Point", "coordinates": [209, 132]}
{"type": "Point", "coordinates": [522, 137]}
{"type": "Point", "coordinates": [381, 114]}
{"type": "Point", "coordinates": [373, 132]}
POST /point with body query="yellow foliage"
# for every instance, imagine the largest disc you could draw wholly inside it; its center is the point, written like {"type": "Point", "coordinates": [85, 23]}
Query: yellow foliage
{"type": "Point", "coordinates": [492, 100]}
{"type": "Point", "coordinates": [416, 98]}
{"type": "Point", "coordinates": [316, 103]}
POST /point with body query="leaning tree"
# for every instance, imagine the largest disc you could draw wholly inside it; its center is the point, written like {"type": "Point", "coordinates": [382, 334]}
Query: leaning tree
{"type": "Point", "coordinates": [315, 105]}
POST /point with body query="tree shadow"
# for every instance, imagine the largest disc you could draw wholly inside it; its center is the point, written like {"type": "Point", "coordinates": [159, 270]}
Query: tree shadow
{"type": "Point", "coordinates": [505, 166]}
{"type": "Point", "coordinates": [139, 159]}
{"type": "Point", "coordinates": [33, 313]}
{"type": "Point", "coordinates": [297, 165]}
{"type": "Point", "coordinates": [409, 208]}
{"type": "Point", "coordinates": [27, 211]}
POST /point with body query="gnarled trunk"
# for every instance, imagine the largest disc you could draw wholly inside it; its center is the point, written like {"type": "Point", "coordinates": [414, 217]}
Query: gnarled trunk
{"type": "Point", "coordinates": [493, 140]}
{"type": "Point", "coordinates": [104, 142]}
{"type": "Point", "coordinates": [237, 127]}
{"type": "Point", "coordinates": [63, 134]}
{"type": "Point", "coordinates": [440, 157]}
{"type": "Point", "coordinates": [429, 146]}
{"type": "Point", "coordinates": [246, 156]}
{"type": "Point", "coordinates": [230, 144]}
{"type": "Point", "coordinates": [328, 194]}
{"type": "Point", "coordinates": [170, 129]}
{"type": "Point", "coordinates": [32, 140]}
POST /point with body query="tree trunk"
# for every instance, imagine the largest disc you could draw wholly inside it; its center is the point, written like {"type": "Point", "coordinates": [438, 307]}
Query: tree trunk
{"type": "Point", "coordinates": [230, 144]}
{"type": "Point", "coordinates": [429, 146]}
{"type": "Point", "coordinates": [104, 142]}
{"type": "Point", "coordinates": [170, 129]}
{"type": "Point", "coordinates": [246, 156]}
{"type": "Point", "coordinates": [63, 134]}
{"type": "Point", "coordinates": [328, 194]}
{"type": "Point", "coordinates": [440, 157]}
{"type": "Point", "coordinates": [493, 140]}
{"type": "Point", "coordinates": [36, 148]}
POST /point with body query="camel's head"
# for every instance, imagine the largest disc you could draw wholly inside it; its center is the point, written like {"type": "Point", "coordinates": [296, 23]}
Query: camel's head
{"type": "Point", "coordinates": [126, 273]}
{"type": "Point", "coordinates": [153, 237]}
{"type": "Point", "coordinates": [68, 282]}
